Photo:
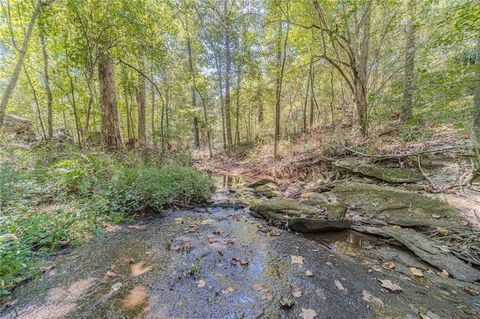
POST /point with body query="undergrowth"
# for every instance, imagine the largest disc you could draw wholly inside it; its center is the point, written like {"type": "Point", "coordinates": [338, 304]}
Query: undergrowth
{"type": "Point", "coordinates": [55, 196]}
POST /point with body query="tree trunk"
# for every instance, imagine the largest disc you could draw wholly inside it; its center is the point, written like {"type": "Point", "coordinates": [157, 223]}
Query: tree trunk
{"type": "Point", "coordinates": [153, 115]}
{"type": "Point", "coordinates": [48, 91]}
{"type": "Point", "coordinates": [476, 107]}
{"type": "Point", "coordinates": [281, 57]}
{"type": "Point", "coordinates": [37, 104]}
{"type": "Point", "coordinates": [142, 113]}
{"type": "Point", "coordinates": [196, 134]}
{"type": "Point", "coordinates": [127, 111]}
{"type": "Point", "coordinates": [222, 105]}
{"type": "Point", "coordinates": [207, 127]}
{"type": "Point", "coordinates": [312, 95]}
{"type": "Point", "coordinates": [304, 112]}
{"type": "Point", "coordinates": [408, 93]}
{"type": "Point", "coordinates": [108, 101]}
{"type": "Point", "coordinates": [18, 67]}
{"type": "Point", "coordinates": [237, 120]}
{"type": "Point", "coordinates": [228, 62]}
{"type": "Point", "coordinates": [361, 74]}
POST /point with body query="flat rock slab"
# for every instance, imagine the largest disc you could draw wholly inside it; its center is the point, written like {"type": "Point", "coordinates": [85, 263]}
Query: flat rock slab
{"type": "Point", "coordinates": [386, 174]}
{"type": "Point", "coordinates": [323, 216]}
{"type": "Point", "coordinates": [433, 253]}
{"type": "Point", "coordinates": [396, 206]}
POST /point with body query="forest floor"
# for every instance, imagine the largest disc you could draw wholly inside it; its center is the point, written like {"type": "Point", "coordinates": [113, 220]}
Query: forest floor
{"type": "Point", "coordinates": [233, 259]}
{"type": "Point", "coordinates": [219, 262]}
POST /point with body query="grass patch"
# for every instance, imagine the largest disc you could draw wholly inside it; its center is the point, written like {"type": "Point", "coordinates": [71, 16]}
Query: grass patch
{"type": "Point", "coordinates": [55, 196]}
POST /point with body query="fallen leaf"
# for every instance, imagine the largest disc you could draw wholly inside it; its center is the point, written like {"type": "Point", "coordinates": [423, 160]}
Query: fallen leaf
{"type": "Point", "coordinates": [201, 283]}
{"type": "Point", "coordinates": [416, 272]}
{"type": "Point", "coordinates": [471, 291]}
{"type": "Point", "coordinates": [228, 290]}
{"type": "Point", "coordinates": [243, 262]}
{"type": "Point", "coordinates": [444, 274]}
{"type": "Point", "coordinates": [273, 232]}
{"type": "Point", "coordinates": [116, 286]}
{"type": "Point", "coordinates": [368, 297]}
{"type": "Point", "coordinates": [192, 228]}
{"type": "Point", "coordinates": [308, 273]}
{"type": "Point", "coordinates": [389, 264]}
{"type": "Point", "coordinates": [387, 284]}
{"type": "Point", "coordinates": [444, 249]}
{"type": "Point", "coordinates": [257, 287]}
{"type": "Point", "coordinates": [287, 302]}
{"type": "Point", "coordinates": [442, 231]}
{"type": "Point", "coordinates": [296, 291]}
{"type": "Point", "coordinates": [339, 286]}
{"type": "Point", "coordinates": [297, 259]}
{"type": "Point", "coordinates": [207, 221]}
{"type": "Point", "coordinates": [429, 315]}
{"type": "Point", "coordinates": [111, 274]}
{"type": "Point", "coordinates": [308, 313]}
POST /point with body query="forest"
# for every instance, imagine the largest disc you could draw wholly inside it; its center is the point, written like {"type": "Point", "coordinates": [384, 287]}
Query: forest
{"type": "Point", "coordinates": [249, 158]}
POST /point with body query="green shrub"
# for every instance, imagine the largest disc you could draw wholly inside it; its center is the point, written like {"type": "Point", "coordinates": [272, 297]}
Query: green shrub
{"type": "Point", "coordinates": [51, 197]}
{"type": "Point", "coordinates": [154, 188]}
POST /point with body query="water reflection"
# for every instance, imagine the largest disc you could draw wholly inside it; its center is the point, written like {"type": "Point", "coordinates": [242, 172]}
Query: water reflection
{"type": "Point", "coordinates": [347, 242]}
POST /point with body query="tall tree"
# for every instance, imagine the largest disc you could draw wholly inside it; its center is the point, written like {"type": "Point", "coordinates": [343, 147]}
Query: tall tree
{"type": "Point", "coordinates": [21, 58]}
{"type": "Point", "coordinates": [108, 101]}
{"type": "Point", "coordinates": [196, 133]}
{"type": "Point", "coordinates": [476, 105]}
{"type": "Point", "coordinates": [46, 75]}
{"type": "Point", "coordinates": [228, 68]}
{"type": "Point", "coordinates": [409, 86]}
{"type": "Point", "coordinates": [281, 58]}
{"type": "Point", "coordinates": [141, 100]}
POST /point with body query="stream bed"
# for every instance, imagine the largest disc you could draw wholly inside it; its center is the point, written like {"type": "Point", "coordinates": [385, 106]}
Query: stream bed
{"type": "Point", "coordinates": [220, 262]}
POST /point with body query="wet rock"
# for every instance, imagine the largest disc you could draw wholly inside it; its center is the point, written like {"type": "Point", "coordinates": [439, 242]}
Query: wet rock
{"type": "Point", "coordinates": [260, 182]}
{"type": "Point", "coordinates": [395, 206]}
{"type": "Point", "coordinates": [268, 190]}
{"type": "Point", "coordinates": [302, 217]}
{"type": "Point", "coordinates": [320, 185]}
{"type": "Point", "coordinates": [386, 174]}
{"type": "Point", "coordinates": [433, 253]}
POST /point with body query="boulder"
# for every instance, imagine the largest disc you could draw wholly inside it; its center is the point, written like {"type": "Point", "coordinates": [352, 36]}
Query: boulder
{"type": "Point", "coordinates": [260, 182]}
{"type": "Point", "coordinates": [301, 217]}
{"type": "Point", "coordinates": [15, 124]}
{"type": "Point", "coordinates": [386, 174]}
{"type": "Point", "coordinates": [395, 206]}
{"type": "Point", "coordinates": [268, 190]}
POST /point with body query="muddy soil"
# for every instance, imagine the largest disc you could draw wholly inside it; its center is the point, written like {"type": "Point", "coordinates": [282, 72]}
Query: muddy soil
{"type": "Point", "coordinates": [220, 262]}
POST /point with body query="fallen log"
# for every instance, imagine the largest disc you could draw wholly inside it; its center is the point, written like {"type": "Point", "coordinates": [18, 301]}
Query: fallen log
{"type": "Point", "coordinates": [433, 253]}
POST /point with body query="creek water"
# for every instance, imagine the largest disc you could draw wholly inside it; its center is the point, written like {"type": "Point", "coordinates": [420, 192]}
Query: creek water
{"type": "Point", "coordinates": [214, 262]}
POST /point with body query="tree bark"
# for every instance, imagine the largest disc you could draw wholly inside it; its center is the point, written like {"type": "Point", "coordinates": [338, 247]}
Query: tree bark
{"type": "Point", "coordinates": [108, 101]}
{"type": "Point", "coordinates": [361, 74]}
{"type": "Point", "coordinates": [312, 95]}
{"type": "Point", "coordinates": [228, 62]}
{"type": "Point", "coordinates": [304, 113]}
{"type": "Point", "coordinates": [237, 120]}
{"type": "Point", "coordinates": [153, 114]}
{"type": "Point", "coordinates": [476, 108]}
{"type": "Point", "coordinates": [408, 93]}
{"type": "Point", "coordinates": [196, 134]}
{"type": "Point", "coordinates": [281, 57]}
{"type": "Point", "coordinates": [18, 67]}
{"type": "Point", "coordinates": [37, 104]}
{"type": "Point", "coordinates": [48, 91]}
{"type": "Point", "coordinates": [142, 113]}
